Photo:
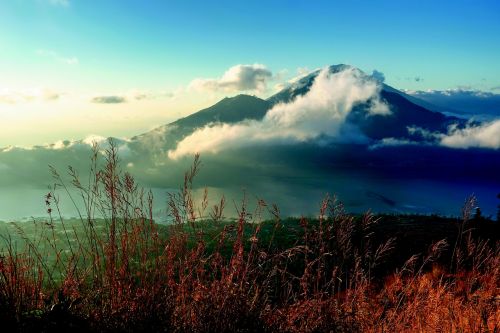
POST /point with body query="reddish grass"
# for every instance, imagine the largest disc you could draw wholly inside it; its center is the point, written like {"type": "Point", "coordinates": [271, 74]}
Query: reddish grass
{"type": "Point", "coordinates": [138, 277]}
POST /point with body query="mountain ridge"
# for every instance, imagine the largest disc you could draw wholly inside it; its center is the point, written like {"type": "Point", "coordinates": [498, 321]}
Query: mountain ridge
{"type": "Point", "coordinates": [407, 112]}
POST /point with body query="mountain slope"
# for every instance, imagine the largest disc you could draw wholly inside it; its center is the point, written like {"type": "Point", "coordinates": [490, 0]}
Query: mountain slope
{"type": "Point", "coordinates": [302, 85]}
{"type": "Point", "coordinates": [228, 110]}
{"type": "Point", "coordinates": [364, 173]}
{"type": "Point", "coordinates": [420, 102]}
{"type": "Point", "coordinates": [405, 113]}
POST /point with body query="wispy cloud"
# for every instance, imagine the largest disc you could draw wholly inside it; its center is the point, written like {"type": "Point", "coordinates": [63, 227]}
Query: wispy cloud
{"type": "Point", "coordinates": [301, 73]}
{"type": "Point", "coordinates": [237, 78]}
{"type": "Point", "coordinates": [393, 142]}
{"type": "Point", "coordinates": [318, 115]}
{"type": "Point", "coordinates": [109, 99]}
{"type": "Point", "coordinates": [132, 95]}
{"type": "Point", "coordinates": [29, 95]}
{"type": "Point", "coordinates": [140, 95]}
{"type": "Point", "coordinates": [57, 57]}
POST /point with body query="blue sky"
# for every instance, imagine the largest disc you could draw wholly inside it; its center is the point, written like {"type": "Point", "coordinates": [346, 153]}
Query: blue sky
{"type": "Point", "coordinates": [63, 53]}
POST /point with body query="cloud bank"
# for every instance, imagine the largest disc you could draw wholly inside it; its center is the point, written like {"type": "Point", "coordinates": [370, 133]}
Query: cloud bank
{"type": "Point", "coordinates": [320, 113]}
{"type": "Point", "coordinates": [473, 135]}
{"type": "Point", "coordinates": [486, 135]}
{"type": "Point", "coordinates": [237, 78]}
{"type": "Point", "coordinates": [28, 166]}
{"type": "Point", "coordinates": [30, 95]}
{"type": "Point", "coordinates": [469, 101]}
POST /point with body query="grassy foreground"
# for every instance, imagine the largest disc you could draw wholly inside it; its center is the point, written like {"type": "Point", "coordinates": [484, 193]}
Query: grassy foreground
{"type": "Point", "coordinates": [114, 269]}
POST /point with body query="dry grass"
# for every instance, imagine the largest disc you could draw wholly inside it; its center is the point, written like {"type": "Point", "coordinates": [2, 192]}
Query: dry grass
{"type": "Point", "coordinates": [137, 276]}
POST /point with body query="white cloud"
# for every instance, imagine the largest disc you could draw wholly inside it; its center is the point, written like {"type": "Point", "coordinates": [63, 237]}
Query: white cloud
{"type": "Point", "coordinates": [57, 57]}
{"type": "Point", "coordinates": [140, 95]}
{"type": "Point", "coordinates": [302, 72]}
{"type": "Point", "coordinates": [237, 78]}
{"type": "Point", "coordinates": [8, 96]}
{"type": "Point", "coordinates": [486, 135]}
{"type": "Point", "coordinates": [91, 139]}
{"type": "Point", "coordinates": [423, 133]}
{"type": "Point", "coordinates": [320, 112]}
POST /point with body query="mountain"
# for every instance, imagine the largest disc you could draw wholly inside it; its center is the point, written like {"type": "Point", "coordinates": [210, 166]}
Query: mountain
{"type": "Point", "coordinates": [401, 176]}
{"type": "Point", "coordinates": [420, 102]}
{"type": "Point", "coordinates": [229, 110]}
{"type": "Point", "coordinates": [302, 85]}
{"type": "Point", "coordinates": [387, 169]}
{"type": "Point", "coordinates": [406, 112]}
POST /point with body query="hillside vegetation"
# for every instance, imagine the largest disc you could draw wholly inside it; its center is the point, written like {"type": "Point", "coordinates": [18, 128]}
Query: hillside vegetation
{"type": "Point", "coordinates": [115, 269]}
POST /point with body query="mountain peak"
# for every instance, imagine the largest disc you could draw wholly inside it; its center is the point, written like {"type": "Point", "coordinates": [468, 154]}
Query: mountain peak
{"type": "Point", "coordinates": [340, 67]}
{"type": "Point", "coordinates": [405, 112]}
{"type": "Point", "coordinates": [238, 98]}
{"type": "Point", "coordinates": [227, 110]}
{"type": "Point", "coordinates": [303, 84]}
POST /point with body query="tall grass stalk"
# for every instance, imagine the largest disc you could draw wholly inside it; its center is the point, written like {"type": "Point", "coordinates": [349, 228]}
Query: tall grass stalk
{"type": "Point", "coordinates": [118, 270]}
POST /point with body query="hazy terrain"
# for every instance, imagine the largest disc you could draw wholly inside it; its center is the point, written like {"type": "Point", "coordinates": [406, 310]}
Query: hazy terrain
{"type": "Point", "coordinates": [337, 130]}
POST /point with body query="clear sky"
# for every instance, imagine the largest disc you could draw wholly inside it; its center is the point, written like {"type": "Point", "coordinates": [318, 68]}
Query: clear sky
{"type": "Point", "coordinates": [71, 68]}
